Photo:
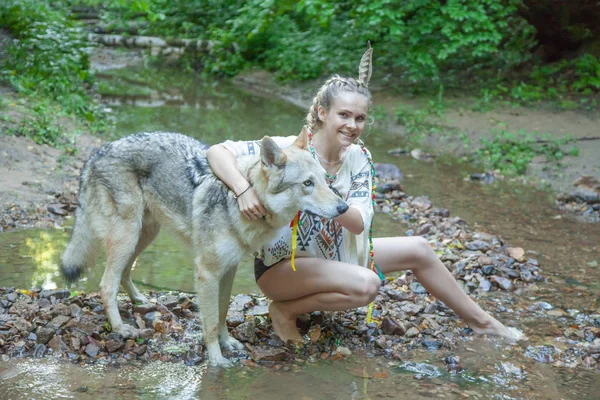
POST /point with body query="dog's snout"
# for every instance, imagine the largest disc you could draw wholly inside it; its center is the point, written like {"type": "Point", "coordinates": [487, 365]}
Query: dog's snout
{"type": "Point", "coordinates": [342, 208]}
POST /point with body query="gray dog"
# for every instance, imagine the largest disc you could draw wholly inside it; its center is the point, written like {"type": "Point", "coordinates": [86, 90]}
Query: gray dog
{"type": "Point", "coordinates": [133, 186]}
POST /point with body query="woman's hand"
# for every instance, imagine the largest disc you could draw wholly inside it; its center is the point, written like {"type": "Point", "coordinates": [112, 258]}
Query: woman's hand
{"type": "Point", "coordinates": [250, 205]}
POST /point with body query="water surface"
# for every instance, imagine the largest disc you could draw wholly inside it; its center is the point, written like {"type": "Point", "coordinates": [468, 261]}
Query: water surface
{"type": "Point", "coordinates": [213, 112]}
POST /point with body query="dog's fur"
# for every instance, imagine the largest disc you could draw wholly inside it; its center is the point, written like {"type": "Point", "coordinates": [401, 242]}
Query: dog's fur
{"type": "Point", "coordinates": [133, 186]}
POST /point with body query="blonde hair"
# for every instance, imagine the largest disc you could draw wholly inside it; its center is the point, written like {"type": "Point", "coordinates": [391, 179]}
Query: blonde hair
{"type": "Point", "coordinates": [330, 91]}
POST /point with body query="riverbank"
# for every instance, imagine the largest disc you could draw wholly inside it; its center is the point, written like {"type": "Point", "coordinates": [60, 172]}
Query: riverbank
{"type": "Point", "coordinates": [73, 326]}
{"type": "Point", "coordinates": [460, 131]}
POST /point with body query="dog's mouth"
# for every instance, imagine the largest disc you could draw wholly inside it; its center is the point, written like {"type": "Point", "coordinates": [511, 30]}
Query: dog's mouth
{"type": "Point", "coordinates": [339, 211]}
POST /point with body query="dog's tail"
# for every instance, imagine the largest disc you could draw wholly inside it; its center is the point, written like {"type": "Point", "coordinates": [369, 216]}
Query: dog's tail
{"type": "Point", "coordinates": [80, 251]}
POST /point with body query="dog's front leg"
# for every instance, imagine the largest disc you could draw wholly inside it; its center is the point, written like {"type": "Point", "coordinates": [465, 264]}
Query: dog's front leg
{"type": "Point", "coordinates": [227, 342]}
{"type": "Point", "coordinates": [207, 284]}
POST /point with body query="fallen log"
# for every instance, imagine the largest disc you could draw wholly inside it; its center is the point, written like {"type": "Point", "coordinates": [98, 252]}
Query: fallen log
{"type": "Point", "coordinates": [150, 42]}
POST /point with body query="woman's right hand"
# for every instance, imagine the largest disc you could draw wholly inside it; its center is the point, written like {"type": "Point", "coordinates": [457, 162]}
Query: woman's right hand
{"type": "Point", "coordinates": [250, 205]}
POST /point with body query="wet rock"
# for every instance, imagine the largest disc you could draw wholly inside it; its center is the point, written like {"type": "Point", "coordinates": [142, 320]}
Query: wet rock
{"type": "Point", "coordinates": [44, 335]}
{"type": "Point", "coordinates": [114, 342]}
{"type": "Point", "coordinates": [150, 317]}
{"type": "Point", "coordinates": [543, 354]}
{"type": "Point", "coordinates": [75, 310]}
{"type": "Point", "coordinates": [39, 351]}
{"type": "Point", "coordinates": [168, 301]}
{"type": "Point", "coordinates": [388, 172]}
{"type": "Point", "coordinates": [314, 333]}
{"type": "Point", "coordinates": [484, 285]}
{"type": "Point", "coordinates": [58, 209]}
{"type": "Point", "coordinates": [432, 344]}
{"type": "Point", "coordinates": [259, 310]}
{"type": "Point", "coordinates": [478, 245]}
{"type": "Point", "coordinates": [344, 351]}
{"type": "Point", "coordinates": [146, 333]}
{"type": "Point", "coordinates": [262, 353]}
{"type": "Point", "coordinates": [83, 324]}
{"type": "Point", "coordinates": [412, 332]}
{"type": "Point", "coordinates": [389, 187]}
{"type": "Point", "coordinates": [58, 321]}
{"type": "Point", "coordinates": [390, 326]}
{"type": "Point", "coordinates": [420, 368]}
{"type": "Point", "coordinates": [193, 358]}
{"type": "Point", "coordinates": [144, 308]}
{"type": "Point", "coordinates": [92, 350]}
{"type": "Point", "coordinates": [61, 309]}
{"type": "Point", "coordinates": [517, 253]}
{"type": "Point", "coordinates": [418, 288]}
{"type": "Point", "coordinates": [57, 344]}
{"type": "Point", "coordinates": [397, 295]}
{"type": "Point", "coordinates": [246, 331]}
{"type": "Point", "coordinates": [502, 283]}
{"type": "Point", "coordinates": [411, 308]}
{"type": "Point", "coordinates": [57, 294]}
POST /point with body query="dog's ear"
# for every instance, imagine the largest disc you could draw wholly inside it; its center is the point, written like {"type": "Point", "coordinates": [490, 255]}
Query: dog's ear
{"type": "Point", "coordinates": [271, 154]}
{"type": "Point", "coordinates": [302, 139]}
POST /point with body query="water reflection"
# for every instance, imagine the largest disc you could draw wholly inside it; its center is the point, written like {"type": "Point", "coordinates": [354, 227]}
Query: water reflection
{"type": "Point", "coordinates": [522, 216]}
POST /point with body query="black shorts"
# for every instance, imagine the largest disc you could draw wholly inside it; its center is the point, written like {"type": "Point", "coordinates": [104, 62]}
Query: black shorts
{"type": "Point", "coordinates": [259, 268]}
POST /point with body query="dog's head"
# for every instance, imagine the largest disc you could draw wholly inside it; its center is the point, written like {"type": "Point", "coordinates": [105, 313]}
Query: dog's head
{"type": "Point", "coordinates": [296, 181]}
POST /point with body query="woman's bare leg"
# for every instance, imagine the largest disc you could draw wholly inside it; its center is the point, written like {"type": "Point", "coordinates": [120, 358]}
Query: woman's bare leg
{"type": "Point", "coordinates": [317, 285]}
{"type": "Point", "coordinates": [414, 253]}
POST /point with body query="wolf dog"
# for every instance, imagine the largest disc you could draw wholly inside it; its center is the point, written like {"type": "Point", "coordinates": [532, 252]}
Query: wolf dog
{"type": "Point", "coordinates": [133, 186]}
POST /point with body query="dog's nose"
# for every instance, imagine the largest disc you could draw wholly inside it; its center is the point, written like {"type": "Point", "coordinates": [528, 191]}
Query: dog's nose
{"type": "Point", "coordinates": [342, 208]}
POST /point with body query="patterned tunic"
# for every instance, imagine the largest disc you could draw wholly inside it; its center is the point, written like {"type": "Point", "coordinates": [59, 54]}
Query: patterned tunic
{"type": "Point", "coordinates": [319, 237]}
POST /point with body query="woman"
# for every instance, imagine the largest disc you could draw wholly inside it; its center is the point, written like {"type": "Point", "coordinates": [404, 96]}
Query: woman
{"type": "Point", "coordinates": [329, 272]}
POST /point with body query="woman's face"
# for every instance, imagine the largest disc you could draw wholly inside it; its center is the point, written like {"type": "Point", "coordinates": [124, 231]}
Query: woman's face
{"type": "Point", "coordinates": [346, 119]}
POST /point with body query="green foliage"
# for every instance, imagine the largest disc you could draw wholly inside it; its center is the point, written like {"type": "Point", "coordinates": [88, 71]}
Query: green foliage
{"type": "Point", "coordinates": [308, 38]}
{"type": "Point", "coordinates": [563, 82]}
{"type": "Point", "coordinates": [49, 59]}
{"type": "Point", "coordinates": [511, 153]}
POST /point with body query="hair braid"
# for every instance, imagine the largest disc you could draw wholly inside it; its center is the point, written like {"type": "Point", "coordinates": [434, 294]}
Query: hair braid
{"type": "Point", "coordinates": [327, 93]}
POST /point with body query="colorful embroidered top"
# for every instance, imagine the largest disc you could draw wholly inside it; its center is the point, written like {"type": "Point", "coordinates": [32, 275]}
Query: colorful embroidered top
{"type": "Point", "coordinates": [318, 237]}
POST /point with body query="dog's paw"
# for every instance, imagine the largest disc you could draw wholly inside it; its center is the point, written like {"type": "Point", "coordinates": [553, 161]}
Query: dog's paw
{"type": "Point", "coordinates": [230, 344]}
{"type": "Point", "coordinates": [128, 331]}
{"type": "Point", "coordinates": [220, 362]}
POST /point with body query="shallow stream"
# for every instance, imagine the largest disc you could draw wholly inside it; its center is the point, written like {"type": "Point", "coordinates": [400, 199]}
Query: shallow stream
{"type": "Point", "coordinates": [568, 252]}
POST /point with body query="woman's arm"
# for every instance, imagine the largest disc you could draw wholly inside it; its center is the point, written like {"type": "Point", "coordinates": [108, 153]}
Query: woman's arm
{"type": "Point", "coordinates": [352, 220]}
{"type": "Point", "coordinates": [222, 162]}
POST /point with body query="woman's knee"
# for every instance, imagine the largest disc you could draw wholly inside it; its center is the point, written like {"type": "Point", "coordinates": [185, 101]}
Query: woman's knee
{"type": "Point", "coordinates": [422, 251]}
{"type": "Point", "coordinates": [366, 288]}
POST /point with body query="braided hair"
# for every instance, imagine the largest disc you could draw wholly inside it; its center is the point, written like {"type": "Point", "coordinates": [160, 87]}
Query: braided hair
{"type": "Point", "coordinates": [330, 91]}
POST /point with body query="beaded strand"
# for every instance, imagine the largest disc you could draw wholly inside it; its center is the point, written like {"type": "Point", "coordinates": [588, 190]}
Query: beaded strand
{"type": "Point", "coordinates": [372, 264]}
{"type": "Point", "coordinates": [331, 179]}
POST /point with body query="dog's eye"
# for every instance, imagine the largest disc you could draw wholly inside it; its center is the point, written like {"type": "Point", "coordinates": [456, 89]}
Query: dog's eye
{"type": "Point", "coordinates": [307, 183]}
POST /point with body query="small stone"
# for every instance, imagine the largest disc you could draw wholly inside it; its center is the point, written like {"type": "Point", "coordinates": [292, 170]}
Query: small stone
{"type": "Point", "coordinates": [418, 288]}
{"type": "Point", "coordinates": [412, 332]}
{"type": "Point", "coordinates": [344, 351]}
{"type": "Point", "coordinates": [263, 353]}
{"type": "Point", "coordinates": [92, 350]}
{"type": "Point", "coordinates": [502, 283]}
{"type": "Point", "coordinates": [58, 294]}
{"type": "Point", "coordinates": [478, 245]}
{"type": "Point", "coordinates": [39, 351]}
{"type": "Point", "coordinates": [44, 335]}
{"type": "Point", "coordinates": [58, 321]}
{"type": "Point", "coordinates": [390, 326]}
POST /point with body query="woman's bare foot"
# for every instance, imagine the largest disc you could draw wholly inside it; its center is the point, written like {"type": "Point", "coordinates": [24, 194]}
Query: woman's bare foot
{"type": "Point", "coordinates": [284, 327]}
{"type": "Point", "coordinates": [496, 328]}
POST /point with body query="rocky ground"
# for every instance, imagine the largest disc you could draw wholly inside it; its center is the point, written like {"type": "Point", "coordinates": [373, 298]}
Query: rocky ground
{"type": "Point", "coordinates": [73, 326]}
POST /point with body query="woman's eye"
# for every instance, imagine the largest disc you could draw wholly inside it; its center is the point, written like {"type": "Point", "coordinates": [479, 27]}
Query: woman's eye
{"type": "Point", "coordinates": [307, 183]}
{"type": "Point", "coordinates": [343, 115]}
